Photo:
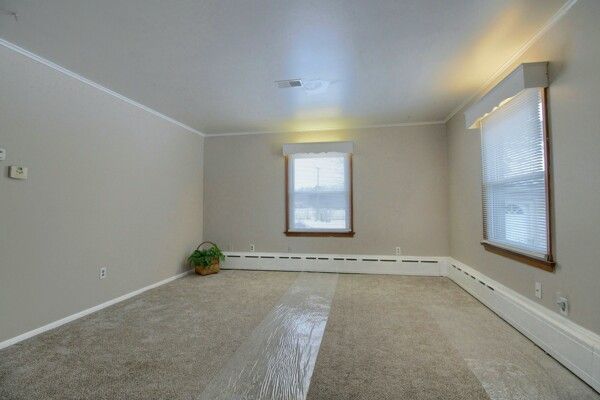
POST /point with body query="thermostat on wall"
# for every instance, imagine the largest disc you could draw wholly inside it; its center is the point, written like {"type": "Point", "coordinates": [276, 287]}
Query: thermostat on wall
{"type": "Point", "coordinates": [17, 172]}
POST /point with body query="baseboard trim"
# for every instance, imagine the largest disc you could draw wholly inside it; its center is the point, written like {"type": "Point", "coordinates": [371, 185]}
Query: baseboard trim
{"type": "Point", "coordinates": [85, 312]}
{"type": "Point", "coordinates": [577, 348]}
{"type": "Point", "coordinates": [337, 263]}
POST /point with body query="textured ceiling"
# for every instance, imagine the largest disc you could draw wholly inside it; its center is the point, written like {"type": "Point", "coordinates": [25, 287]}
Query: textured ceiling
{"type": "Point", "coordinates": [212, 64]}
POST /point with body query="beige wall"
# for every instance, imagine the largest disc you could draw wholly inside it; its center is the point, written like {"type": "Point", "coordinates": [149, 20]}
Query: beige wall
{"type": "Point", "coordinates": [400, 192]}
{"type": "Point", "coordinates": [109, 185]}
{"type": "Point", "coordinates": [573, 50]}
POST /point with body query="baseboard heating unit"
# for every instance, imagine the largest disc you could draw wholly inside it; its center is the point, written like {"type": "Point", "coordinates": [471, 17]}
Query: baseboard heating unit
{"type": "Point", "coordinates": [339, 263]}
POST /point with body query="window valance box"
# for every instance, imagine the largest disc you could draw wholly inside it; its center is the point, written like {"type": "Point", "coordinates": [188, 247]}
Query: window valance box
{"type": "Point", "coordinates": [525, 76]}
{"type": "Point", "coordinates": [316, 148]}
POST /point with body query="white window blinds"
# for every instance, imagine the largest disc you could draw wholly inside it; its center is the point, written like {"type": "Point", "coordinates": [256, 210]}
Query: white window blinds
{"type": "Point", "coordinates": [515, 203]}
{"type": "Point", "coordinates": [319, 192]}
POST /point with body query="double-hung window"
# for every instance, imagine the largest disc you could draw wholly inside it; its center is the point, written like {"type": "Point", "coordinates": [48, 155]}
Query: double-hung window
{"type": "Point", "coordinates": [319, 189]}
{"type": "Point", "coordinates": [515, 179]}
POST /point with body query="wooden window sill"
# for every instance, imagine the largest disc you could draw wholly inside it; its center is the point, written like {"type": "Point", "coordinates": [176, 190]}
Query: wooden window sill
{"type": "Point", "coordinates": [319, 234]}
{"type": "Point", "coordinates": [546, 265]}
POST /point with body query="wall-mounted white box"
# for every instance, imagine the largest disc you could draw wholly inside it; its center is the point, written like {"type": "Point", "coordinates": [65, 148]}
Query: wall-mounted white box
{"type": "Point", "coordinates": [17, 172]}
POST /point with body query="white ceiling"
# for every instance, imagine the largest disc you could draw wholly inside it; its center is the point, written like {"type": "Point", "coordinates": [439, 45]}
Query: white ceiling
{"type": "Point", "coordinates": [212, 64]}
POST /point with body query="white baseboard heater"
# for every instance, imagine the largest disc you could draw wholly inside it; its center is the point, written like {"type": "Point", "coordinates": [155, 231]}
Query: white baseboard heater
{"type": "Point", "coordinates": [575, 347]}
{"type": "Point", "coordinates": [339, 263]}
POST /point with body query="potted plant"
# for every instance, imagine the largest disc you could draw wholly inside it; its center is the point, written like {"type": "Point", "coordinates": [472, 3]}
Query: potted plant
{"type": "Point", "coordinates": [206, 261]}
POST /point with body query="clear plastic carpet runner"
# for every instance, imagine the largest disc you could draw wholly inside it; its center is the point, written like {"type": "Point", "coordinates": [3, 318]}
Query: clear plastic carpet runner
{"type": "Point", "coordinates": [278, 358]}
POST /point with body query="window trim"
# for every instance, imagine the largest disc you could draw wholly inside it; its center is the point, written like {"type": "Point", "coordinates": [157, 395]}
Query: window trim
{"type": "Point", "coordinates": [547, 263]}
{"type": "Point", "coordinates": [287, 231]}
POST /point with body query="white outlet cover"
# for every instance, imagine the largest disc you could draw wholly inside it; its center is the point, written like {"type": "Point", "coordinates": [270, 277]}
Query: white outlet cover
{"type": "Point", "coordinates": [562, 299]}
{"type": "Point", "coordinates": [398, 251]}
{"type": "Point", "coordinates": [2, 154]}
{"type": "Point", "coordinates": [538, 290]}
{"type": "Point", "coordinates": [17, 172]}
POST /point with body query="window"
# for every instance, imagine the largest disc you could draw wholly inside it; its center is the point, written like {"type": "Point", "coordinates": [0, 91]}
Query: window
{"type": "Point", "coordinates": [516, 209]}
{"type": "Point", "coordinates": [319, 193]}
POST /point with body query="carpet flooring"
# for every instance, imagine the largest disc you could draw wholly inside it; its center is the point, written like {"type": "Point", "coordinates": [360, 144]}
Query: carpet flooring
{"type": "Point", "coordinates": [379, 344]}
{"type": "Point", "coordinates": [386, 337]}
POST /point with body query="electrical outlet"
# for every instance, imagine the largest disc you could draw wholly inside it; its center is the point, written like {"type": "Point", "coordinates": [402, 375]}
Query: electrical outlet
{"type": "Point", "coordinates": [103, 272]}
{"type": "Point", "coordinates": [252, 247]}
{"type": "Point", "coordinates": [563, 304]}
{"type": "Point", "coordinates": [398, 251]}
{"type": "Point", "coordinates": [538, 290]}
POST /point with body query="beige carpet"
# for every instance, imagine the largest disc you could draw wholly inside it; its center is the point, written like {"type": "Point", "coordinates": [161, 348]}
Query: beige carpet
{"type": "Point", "coordinates": [166, 343]}
{"type": "Point", "coordinates": [381, 344]}
{"type": "Point", "coordinates": [387, 337]}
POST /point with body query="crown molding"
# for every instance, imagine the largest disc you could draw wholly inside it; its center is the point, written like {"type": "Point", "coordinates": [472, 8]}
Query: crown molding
{"type": "Point", "coordinates": [63, 70]}
{"type": "Point", "coordinates": [502, 69]}
{"type": "Point", "coordinates": [404, 124]}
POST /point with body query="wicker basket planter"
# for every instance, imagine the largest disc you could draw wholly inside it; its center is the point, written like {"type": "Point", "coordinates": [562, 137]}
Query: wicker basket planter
{"type": "Point", "coordinates": [206, 269]}
{"type": "Point", "coordinates": [213, 269]}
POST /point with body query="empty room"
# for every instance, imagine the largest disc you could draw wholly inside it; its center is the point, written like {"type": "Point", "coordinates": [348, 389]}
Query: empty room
{"type": "Point", "coordinates": [299, 199]}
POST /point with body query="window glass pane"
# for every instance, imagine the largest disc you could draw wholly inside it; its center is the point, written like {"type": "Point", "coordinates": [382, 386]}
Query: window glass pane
{"type": "Point", "coordinates": [514, 177]}
{"type": "Point", "coordinates": [517, 214]}
{"type": "Point", "coordinates": [319, 173]}
{"type": "Point", "coordinates": [319, 197]}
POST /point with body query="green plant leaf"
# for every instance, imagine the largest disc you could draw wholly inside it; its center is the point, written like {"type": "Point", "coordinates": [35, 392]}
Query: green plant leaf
{"type": "Point", "coordinates": [205, 258]}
